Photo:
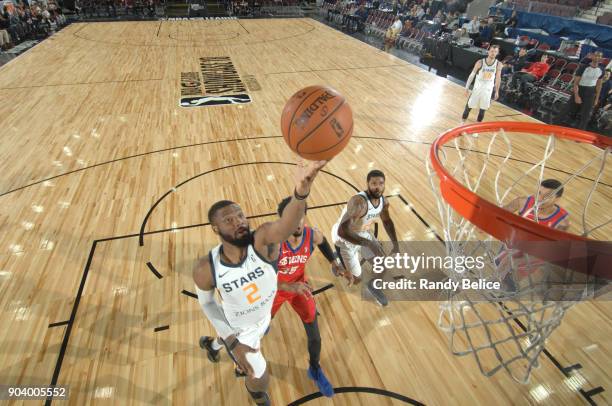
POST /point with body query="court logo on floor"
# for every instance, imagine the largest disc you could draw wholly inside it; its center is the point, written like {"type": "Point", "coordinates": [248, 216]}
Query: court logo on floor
{"type": "Point", "coordinates": [217, 83]}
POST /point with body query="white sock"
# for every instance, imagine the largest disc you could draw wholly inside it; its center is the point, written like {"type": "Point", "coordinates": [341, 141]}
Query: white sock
{"type": "Point", "coordinates": [215, 345]}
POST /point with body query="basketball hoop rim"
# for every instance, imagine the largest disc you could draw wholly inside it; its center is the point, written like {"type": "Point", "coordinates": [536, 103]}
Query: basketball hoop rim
{"type": "Point", "coordinates": [498, 222]}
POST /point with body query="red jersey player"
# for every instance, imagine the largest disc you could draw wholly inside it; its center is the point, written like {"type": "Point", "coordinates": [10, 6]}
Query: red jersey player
{"type": "Point", "coordinates": [294, 289]}
{"type": "Point", "coordinates": [549, 213]}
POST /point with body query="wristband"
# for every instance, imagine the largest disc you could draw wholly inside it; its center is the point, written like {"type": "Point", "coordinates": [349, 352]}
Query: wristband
{"type": "Point", "coordinates": [298, 196]}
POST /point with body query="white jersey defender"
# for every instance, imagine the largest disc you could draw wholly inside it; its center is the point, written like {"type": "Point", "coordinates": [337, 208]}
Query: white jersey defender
{"type": "Point", "coordinates": [483, 86]}
{"type": "Point", "coordinates": [349, 251]}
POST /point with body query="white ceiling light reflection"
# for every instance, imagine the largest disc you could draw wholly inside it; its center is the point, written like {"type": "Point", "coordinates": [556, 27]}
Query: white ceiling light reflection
{"type": "Point", "coordinates": [539, 393]}
{"type": "Point", "coordinates": [431, 234]}
{"type": "Point", "coordinates": [76, 136]}
{"type": "Point", "coordinates": [64, 205]}
{"type": "Point", "coordinates": [383, 322]}
{"type": "Point", "coordinates": [371, 164]}
{"type": "Point", "coordinates": [27, 225]}
{"type": "Point", "coordinates": [5, 274]}
{"type": "Point", "coordinates": [47, 245]}
{"type": "Point", "coordinates": [270, 178]}
{"type": "Point", "coordinates": [67, 151]}
{"type": "Point", "coordinates": [104, 392]}
{"type": "Point", "coordinates": [57, 163]}
{"type": "Point", "coordinates": [575, 382]}
{"type": "Point", "coordinates": [37, 208]}
{"type": "Point", "coordinates": [426, 107]}
{"type": "Point", "coordinates": [353, 167]}
{"type": "Point", "coordinates": [22, 313]}
{"type": "Point", "coordinates": [81, 162]}
{"type": "Point", "coordinates": [358, 148]}
{"type": "Point", "coordinates": [175, 155]}
{"type": "Point", "coordinates": [48, 184]}
{"type": "Point", "coordinates": [408, 236]}
{"type": "Point", "coordinates": [16, 249]}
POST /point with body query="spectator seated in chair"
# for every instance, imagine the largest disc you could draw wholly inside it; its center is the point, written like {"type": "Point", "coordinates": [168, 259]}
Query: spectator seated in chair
{"type": "Point", "coordinates": [485, 34]}
{"type": "Point", "coordinates": [517, 63]}
{"type": "Point", "coordinates": [362, 13]}
{"type": "Point", "coordinates": [510, 23]}
{"type": "Point", "coordinates": [392, 33]}
{"type": "Point", "coordinates": [535, 72]}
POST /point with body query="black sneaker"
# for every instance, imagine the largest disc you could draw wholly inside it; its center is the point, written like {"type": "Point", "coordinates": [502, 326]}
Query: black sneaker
{"type": "Point", "coordinates": [264, 400]}
{"type": "Point", "coordinates": [206, 344]}
{"type": "Point", "coordinates": [377, 294]}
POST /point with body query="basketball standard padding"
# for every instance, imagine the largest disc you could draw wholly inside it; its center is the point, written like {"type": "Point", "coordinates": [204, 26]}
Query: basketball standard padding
{"type": "Point", "coordinates": [317, 123]}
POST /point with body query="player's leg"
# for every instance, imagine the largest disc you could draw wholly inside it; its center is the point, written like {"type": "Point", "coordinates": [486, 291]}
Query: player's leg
{"type": "Point", "coordinates": [472, 101]}
{"type": "Point", "coordinates": [484, 102]}
{"type": "Point", "coordinates": [306, 308]}
{"type": "Point", "coordinates": [466, 112]}
{"type": "Point", "coordinates": [481, 114]}
{"type": "Point", "coordinates": [368, 256]}
{"type": "Point", "coordinates": [257, 384]}
{"type": "Point", "coordinates": [258, 387]}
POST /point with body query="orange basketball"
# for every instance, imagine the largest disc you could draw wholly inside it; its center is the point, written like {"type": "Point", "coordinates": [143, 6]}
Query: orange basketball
{"type": "Point", "coordinates": [317, 123]}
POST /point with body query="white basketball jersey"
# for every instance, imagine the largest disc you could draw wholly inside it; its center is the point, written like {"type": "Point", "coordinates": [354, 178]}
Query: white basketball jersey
{"type": "Point", "coordinates": [486, 74]}
{"type": "Point", "coordinates": [247, 289]}
{"type": "Point", "coordinates": [363, 223]}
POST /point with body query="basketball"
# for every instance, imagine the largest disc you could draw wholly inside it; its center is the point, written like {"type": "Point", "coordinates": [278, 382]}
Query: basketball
{"type": "Point", "coordinates": [317, 123]}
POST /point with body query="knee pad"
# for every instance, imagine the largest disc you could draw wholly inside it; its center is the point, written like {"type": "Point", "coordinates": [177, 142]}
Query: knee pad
{"type": "Point", "coordinates": [258, 363]}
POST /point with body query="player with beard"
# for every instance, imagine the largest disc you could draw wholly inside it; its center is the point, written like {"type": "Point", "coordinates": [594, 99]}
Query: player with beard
{"type": "Point", "coordinates": [351, 234]}
{"type": "Point", "coordinates": [294, 254]}
{"type": "Point", "coordinates": [242, 268]}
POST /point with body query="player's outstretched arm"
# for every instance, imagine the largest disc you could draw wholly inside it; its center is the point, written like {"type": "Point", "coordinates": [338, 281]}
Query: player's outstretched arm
{"type": "Point", "coordinates": [327, 251]}
{"type": "Point", "coordinates": [389, 226]}
{"type": "Point", "coordinates": [278, 231]}
{"type": "Point", "coordinates": [202, 277]}
{"type": "Point", "coordinates": [475, 70]}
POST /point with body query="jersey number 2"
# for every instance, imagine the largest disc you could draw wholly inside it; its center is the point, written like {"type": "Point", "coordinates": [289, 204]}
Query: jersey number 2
{"type": "Point", "coordinates": [251, 293]}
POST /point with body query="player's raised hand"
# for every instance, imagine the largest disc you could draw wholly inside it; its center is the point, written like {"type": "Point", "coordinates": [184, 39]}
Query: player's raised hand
{"type": "Point", "coordinates": [305, 175]}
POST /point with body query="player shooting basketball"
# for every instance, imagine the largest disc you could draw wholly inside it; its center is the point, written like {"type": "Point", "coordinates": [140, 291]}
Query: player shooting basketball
{"type": "Point", "coordinates": [486, 76]}
{"type": "Point", "coordinates": [294, 289]}
{"type": "Point", "coordinates": [351, 234]}
{"type": "Point", "coordinates": [243, 271]}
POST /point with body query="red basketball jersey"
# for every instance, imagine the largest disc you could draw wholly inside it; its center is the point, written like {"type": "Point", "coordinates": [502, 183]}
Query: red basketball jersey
{"type": "Point", "coordinates": [292, 261]}
{"type": "Point", "coordinates": [551, 221]}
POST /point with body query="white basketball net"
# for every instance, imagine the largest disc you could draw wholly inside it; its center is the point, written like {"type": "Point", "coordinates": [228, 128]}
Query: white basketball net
{"type": "Point", "coordinates": [507, 329]}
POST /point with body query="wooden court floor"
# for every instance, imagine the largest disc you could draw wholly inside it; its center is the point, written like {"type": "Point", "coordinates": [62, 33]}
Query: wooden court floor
{"type": "Point", "coordinates": [104, 186]}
